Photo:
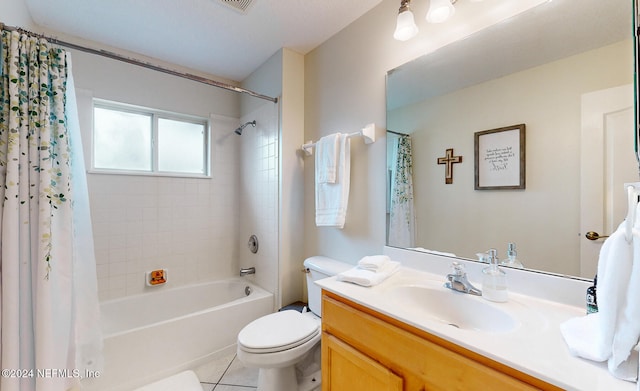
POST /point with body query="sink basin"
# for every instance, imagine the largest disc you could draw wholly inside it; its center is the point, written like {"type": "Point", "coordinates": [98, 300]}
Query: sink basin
{"type": "Point", "coordinates": [457, 309]}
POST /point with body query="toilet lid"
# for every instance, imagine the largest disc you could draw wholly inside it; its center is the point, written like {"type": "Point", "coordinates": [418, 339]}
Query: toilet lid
{"type": "Point", "coordinates": [278, 331]}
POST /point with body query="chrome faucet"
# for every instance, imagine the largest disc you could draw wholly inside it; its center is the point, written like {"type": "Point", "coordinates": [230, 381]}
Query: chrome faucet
{"type": "Point", "coordinates": [249, 270]}
{"type": "Point", "coordinates": [458, 281]}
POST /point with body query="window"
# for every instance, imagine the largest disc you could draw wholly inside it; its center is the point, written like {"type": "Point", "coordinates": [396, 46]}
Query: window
{"type": "Point", "coordinates": [132, 139]}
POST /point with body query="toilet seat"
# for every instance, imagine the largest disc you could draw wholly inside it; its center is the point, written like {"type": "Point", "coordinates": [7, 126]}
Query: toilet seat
{"type": "Point", "coordinates": [278, 332]}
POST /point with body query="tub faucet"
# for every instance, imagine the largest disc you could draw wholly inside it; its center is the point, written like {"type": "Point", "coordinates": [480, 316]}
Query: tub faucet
{"type": "Point", "coordinates": [249, 270]}
{"type": "Point", "coordinates": [458, 281]}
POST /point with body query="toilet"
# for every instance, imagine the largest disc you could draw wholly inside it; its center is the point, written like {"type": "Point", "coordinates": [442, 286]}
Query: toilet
{"type": "Point", "coordinates": [285, 345]}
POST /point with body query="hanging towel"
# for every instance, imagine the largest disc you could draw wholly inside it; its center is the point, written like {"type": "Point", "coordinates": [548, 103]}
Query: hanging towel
{"type": "Point", "coordinates": [604, 336]}
{"type": "Point", "coordinates": [614, 266]}
{"type": "Point", "coordinates": [332, 198]}
{"type": "Point", "coordinates": [624, 360]}
{"type": "Point", "coordinates": [327, 158]}
{"type": "Point", "coordinates": [364, 277]}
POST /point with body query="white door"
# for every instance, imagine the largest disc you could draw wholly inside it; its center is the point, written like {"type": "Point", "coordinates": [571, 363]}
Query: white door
{"type": "Point", "coordinates": [607, 162]}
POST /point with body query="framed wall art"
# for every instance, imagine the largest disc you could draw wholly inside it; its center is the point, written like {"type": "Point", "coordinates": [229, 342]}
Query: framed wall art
{"type": "Point", "coordinates": [500, 158]}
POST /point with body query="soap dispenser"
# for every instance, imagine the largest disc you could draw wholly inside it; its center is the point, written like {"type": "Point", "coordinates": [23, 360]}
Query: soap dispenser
{"type": "Point", "coordinates": [512, 260]}
{"type": "Point", "coordinates": [494, 280]}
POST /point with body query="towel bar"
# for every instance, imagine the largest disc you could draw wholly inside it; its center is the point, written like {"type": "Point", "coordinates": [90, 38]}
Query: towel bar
{"type": "Point", "coordinates": [368, 132]}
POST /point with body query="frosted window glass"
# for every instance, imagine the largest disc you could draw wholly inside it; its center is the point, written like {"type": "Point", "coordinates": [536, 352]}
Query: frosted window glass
{"type": "Point", "coordinates": [181, 146]}
{"type": "Point", "coordinates": [122, 140]}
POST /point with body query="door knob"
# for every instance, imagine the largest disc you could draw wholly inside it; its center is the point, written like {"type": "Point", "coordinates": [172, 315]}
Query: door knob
{"type": "Point", "coordinates": [592, 235]}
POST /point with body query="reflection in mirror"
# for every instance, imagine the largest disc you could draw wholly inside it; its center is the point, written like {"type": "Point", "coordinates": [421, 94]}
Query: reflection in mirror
{"type": "Point", "coordinates": [566, 72]}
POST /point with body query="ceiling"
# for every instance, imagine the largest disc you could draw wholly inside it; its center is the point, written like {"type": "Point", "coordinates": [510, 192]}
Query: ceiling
{"type": "Point", "coordinates": [204, 35]}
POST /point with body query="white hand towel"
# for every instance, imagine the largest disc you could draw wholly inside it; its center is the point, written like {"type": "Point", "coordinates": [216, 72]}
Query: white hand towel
{"type": "Point", "coordinates": [623, 363]}
{"type": "Point", "coordinates": [614, 268]}
{"type": "Point", "coordinates": [592, 336]}
{"type": "Point", "coordinates": [327, 158]}
{"type": "Point", "coordinates": [332, 198]}
{"type": "Point", "coordinates": [374, 263]}
{"type": "Point", "coordinates": [364, 277]}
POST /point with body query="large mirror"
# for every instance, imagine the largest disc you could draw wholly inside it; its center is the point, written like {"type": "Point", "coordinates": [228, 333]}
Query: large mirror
{"type": "Point", "coordinates": [564, 69]}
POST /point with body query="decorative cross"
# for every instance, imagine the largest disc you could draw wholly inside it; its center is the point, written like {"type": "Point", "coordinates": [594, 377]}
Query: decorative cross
{"type": "Point", "coordinates": [449, 160]}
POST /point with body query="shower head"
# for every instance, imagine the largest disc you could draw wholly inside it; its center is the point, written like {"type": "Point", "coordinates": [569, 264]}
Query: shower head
{"type": "Point", "coordinates": [241, 128]}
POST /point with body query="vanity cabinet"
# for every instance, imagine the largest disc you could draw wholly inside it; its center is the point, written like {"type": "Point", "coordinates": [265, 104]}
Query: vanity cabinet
{"type": "Point", "coordinates": [366, 350]}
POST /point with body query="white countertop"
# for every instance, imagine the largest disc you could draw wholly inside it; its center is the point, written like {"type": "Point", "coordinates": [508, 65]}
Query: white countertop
{"type": "Point", "coordinates": [535, 346]}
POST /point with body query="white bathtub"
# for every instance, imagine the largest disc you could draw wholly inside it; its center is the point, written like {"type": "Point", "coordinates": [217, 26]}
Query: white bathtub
{"type": "Point", "coordinates": [154, 335]}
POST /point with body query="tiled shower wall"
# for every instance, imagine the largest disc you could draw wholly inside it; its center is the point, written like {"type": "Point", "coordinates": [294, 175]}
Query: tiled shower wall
{"type": "Point", "coordinates": [259, 186]}
{"type": "Point", "coordinates": [186, 225]}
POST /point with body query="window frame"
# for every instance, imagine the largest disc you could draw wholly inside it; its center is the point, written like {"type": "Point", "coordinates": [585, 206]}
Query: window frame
{"type": "Point", "coordinates": [155, 115]}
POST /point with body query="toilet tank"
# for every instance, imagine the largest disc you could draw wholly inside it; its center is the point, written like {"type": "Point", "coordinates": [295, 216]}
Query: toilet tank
{"type": "Point", "coordinates": [319, 267]}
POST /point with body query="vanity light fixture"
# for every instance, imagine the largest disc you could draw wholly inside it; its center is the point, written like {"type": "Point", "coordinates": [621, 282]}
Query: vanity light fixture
{"type": "Point", "coordinates": [439, 11]}
{"type": "Point", "coordinates": [405, 26]}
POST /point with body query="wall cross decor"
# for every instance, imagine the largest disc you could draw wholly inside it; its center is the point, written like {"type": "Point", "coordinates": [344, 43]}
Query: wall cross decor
{"type": "Point", "coordinates": [449, 160]}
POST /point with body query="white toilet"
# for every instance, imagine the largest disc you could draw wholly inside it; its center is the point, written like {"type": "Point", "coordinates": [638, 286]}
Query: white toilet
{"type": "Point", "coordinates": [277, 342]}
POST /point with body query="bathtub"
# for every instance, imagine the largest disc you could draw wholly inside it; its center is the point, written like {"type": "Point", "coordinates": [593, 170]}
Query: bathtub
{"type": "Point", "coordinates": [154, 335]}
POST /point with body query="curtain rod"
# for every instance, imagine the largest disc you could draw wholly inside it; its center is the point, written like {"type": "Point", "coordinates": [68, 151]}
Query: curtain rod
{"type": "Point", "coordinates": [398, 133]}
{"type": "Point", "coordinates": [129, 60]}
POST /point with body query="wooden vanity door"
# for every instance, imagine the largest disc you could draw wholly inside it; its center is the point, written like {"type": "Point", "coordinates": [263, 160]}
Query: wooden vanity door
{"type": "Point", "coordinates": [346, 369]}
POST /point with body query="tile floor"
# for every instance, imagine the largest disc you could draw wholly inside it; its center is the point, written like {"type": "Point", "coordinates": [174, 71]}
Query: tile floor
{"type": "Point", "coordinates": [227, 374]}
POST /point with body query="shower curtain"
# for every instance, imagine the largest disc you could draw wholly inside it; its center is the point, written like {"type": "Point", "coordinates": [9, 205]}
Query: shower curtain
{"type": "Point", "coordinates": [49, 313]}
{"type": "Point", "coordinates": [401, 213]}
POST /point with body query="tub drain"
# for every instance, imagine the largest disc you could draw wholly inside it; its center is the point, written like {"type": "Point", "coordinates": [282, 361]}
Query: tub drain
{"type": "Point", "coordinates": [247, 290]}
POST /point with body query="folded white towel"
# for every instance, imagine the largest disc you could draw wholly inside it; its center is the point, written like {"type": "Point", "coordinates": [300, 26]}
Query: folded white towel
{"type": "Point", "coordinates": [332, 198]}
{"type": "Point", "coordinates": [364, 277]}
{"type": "Point", "coordinates": [327, 158]}
{"type": "Point", "coordinates": [374, 263]}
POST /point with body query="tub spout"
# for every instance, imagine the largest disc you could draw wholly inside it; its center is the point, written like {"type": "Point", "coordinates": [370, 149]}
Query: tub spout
{"type": "Point", "coordinates": [249, 270]}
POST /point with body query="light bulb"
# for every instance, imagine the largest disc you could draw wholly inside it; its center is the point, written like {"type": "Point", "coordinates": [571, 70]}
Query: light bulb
{"type": "Point", "coordinates": [406, 26]}
{"type": "Point", "coordinates": [440, 11]}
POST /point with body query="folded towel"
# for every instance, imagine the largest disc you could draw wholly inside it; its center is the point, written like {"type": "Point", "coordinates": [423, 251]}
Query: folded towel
{"type": "Point", "coordinates": [364, 277]}
{"type": "Point", "coordinates": [332, 198]}
{"type": "Point", "coordinates": [374, 263]}
{"type": "Point", "coordinates": [327, 158]}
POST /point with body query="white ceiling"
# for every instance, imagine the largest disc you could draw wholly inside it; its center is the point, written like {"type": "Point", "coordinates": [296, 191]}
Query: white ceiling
{"type": "Point", "coordinates": [204, 35]}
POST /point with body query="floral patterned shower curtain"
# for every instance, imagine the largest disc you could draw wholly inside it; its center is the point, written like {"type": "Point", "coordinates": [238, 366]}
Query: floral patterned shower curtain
{"type": "Point", "coordinates": [49, 314]}
{"type": "Point", "coordinates": [401, 213]}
